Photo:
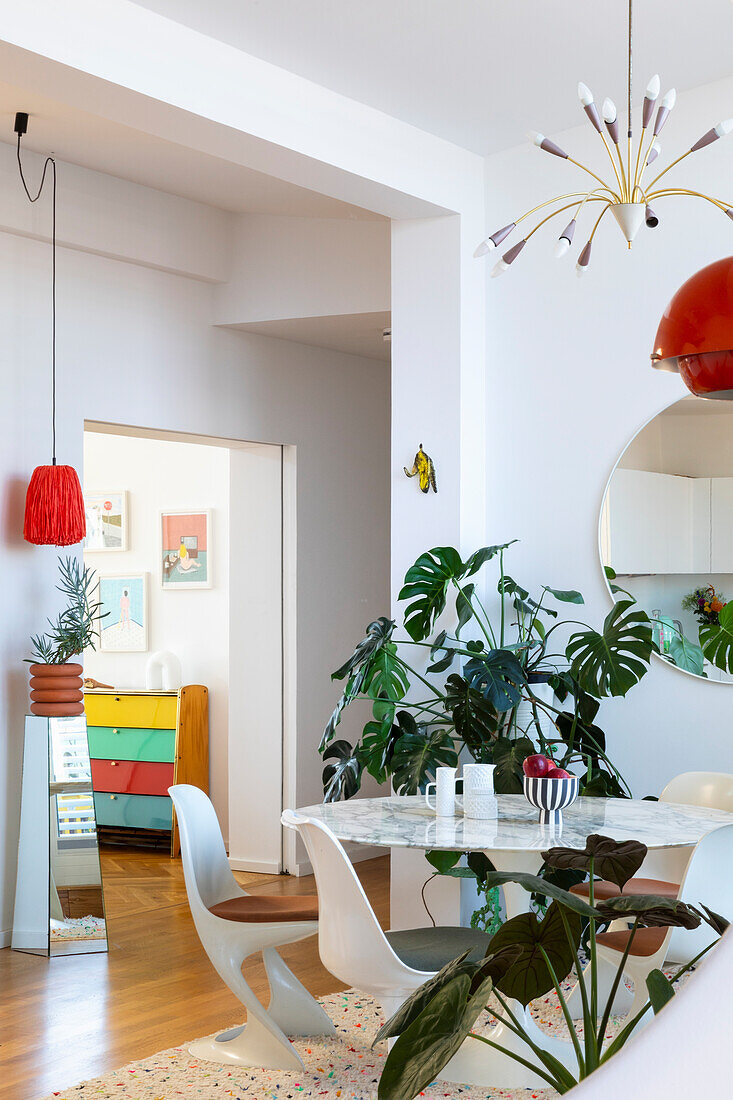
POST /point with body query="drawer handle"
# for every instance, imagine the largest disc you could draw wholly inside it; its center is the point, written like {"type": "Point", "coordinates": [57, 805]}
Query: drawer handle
{"type": "Point", "coordinates": [113, 797]}
{"type": "Point", "coordinates": [115, 731]}
{"type": "Point", "coordinates": [113, 763]}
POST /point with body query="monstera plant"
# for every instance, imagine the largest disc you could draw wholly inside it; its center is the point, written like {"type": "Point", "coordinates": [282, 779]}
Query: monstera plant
{"type": "Point", "coordinates": [494, 662]}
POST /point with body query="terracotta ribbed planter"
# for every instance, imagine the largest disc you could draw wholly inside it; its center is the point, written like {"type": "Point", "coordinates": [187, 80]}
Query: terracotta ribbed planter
{"type": "Point", "coordinates": [56, 690]}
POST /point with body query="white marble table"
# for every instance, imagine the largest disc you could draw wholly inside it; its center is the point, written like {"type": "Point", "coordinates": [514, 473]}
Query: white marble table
{"type": "Point", "coordinates": [513, 841]}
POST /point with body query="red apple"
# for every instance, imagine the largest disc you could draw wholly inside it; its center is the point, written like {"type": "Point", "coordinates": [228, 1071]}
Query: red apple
{"type": "Point", "coordinates": [537, 766]}
{"type": "Point", "coordinates": [557, 773]}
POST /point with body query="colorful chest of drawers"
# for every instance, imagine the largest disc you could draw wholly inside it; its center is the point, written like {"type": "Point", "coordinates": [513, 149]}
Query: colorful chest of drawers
{"type": "Point", "coordinates": [140, 744]}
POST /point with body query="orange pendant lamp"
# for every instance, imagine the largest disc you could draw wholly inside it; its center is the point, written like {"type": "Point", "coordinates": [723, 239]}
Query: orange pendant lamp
{"type": "Point", "coordinates": [54, 504]}
{"type": "Point", "coordinates": [695, 335]}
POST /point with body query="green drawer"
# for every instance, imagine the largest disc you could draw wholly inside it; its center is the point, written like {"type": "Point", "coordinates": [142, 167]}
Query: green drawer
{"type": "Point", "coordinates": [125, 743]}
{"type": "Point", "coordinates": [136, 811]}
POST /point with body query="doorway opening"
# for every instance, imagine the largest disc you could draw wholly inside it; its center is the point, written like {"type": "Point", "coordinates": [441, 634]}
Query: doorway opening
{"type": "Point", "coordinates": [192, 539]}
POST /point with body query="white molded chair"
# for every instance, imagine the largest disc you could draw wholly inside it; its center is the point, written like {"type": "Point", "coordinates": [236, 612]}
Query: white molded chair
{"type": "Point", "coordinates": [663, 872]}
{"type": "Point", "coordinates": [233, 925]}
{"type": "Point", "coordinates": [707, 881]}
{"type": "Point", "coordinates": [351, 942]}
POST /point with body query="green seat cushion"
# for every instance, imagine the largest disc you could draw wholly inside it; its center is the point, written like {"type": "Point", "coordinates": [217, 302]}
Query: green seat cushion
{"type": "Point", "coordinates": [431, 948]}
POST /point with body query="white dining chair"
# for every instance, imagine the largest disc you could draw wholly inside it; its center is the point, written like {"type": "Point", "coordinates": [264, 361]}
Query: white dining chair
{"type": "Point", "coordinates": [352, 945]}
{"type": "Point", "coordinates": [663, 873]}
{"type": "Point", "coordinates": [233, 925]}
{"type": "Point", "coordinates": [706, 882]}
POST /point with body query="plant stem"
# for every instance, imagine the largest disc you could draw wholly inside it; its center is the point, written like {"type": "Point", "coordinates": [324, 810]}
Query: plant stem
{"type": "Point", "coordinates": [614, 987]}
{"type": "Point", "coordinates": [591, 1050]}
{"type": "Point", "coordinates": [563, 1005]}
{"type": "Point", "coordinates": [593, 951]}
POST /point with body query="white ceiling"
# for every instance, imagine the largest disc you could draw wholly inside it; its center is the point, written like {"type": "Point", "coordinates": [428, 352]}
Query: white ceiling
{"type": "Point", "coordinates": [93, 142]}
{"type": "Point", "coordinates": [476, 72]}
{"type": "Point", "coordinates": [355, 333]}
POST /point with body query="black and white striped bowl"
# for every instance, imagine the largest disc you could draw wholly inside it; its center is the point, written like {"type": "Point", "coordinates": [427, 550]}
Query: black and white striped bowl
{"type": "Point", "coordinates": [551, 796]}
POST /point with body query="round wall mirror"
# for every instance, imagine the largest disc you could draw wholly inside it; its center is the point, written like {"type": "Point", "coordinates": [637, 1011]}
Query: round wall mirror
{"type": "Point", "coordinates": [666, 531]}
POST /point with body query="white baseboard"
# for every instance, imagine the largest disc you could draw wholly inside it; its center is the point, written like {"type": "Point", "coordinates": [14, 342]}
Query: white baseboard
{"type": "Point", "coordinates": [357, 853]}
{"type": "Point", "coordinates": [5, 937]}
{"type": "Point", "coordinates": [259, 867]}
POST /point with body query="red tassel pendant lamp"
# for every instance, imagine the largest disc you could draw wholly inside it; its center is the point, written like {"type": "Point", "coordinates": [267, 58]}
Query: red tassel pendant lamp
{"type": "Point", "coordinates": [54, 504]}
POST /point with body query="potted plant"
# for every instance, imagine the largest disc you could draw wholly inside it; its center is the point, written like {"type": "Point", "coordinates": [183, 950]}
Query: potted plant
{"type": "Point", "coordinates": [496, 700]}
{"type": "Point", "coordinates": [56, 680]}
{"type": "Point", "coordinates": [529, 958]}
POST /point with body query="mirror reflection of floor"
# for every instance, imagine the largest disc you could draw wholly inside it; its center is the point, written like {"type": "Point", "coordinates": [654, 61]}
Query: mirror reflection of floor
{"type": "Point", "coordinates": [73, 935]}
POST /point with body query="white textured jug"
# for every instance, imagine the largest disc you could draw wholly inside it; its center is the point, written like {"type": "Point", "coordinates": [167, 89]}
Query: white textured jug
{"type": "Point", "coordinates": [478, 791]}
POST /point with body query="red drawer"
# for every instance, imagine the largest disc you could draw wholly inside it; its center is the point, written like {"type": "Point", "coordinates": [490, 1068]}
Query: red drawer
{"type": "Point", "coordinates": [131, 776]}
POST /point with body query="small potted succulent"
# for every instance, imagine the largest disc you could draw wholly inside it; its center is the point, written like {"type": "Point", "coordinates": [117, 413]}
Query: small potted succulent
{"type": "Point", "coordinates": [56, 680]}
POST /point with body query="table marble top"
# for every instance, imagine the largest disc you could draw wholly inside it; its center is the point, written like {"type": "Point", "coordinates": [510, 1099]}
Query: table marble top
{"type": "Point", "coordinates": [406, 822]}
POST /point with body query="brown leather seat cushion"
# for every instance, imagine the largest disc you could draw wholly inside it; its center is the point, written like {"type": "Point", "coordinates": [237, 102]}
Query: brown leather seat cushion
{"type": "Point", "coordinates": [602, 890]}
{"type": "Point", "coordinates": [646, 941]}
{"type": "Point", "coordinates": [265, 909]}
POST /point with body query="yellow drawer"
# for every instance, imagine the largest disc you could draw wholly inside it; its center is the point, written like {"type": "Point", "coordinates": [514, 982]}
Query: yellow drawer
{"type": "Point", "coordinates": [138, 711]}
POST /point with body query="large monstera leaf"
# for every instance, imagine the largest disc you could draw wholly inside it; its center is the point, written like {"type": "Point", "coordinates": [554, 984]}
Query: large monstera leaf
{"type": "Point", "coordinates": [372, 666]}
{"type": "Point", "coordinates": [508, 755]}
{"type": "Point", "coordinates": [717, 641]}
{"type": "Point", "coordinates": [417, 754]}
{"type": "Point", "coordinates": [475, 719]}
{"type": "Point", "coordinates": [341, 777]}
{"type": "Point", "coordinates": [498, 675]}
{"type": "Point", "coordinates": [428, 580]}
{"type": "Point", "coordinates": [614, 660]}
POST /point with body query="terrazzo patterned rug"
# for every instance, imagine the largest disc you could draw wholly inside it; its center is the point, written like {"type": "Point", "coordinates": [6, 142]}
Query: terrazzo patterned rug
{"type": "Point", "coordinates": [341, 1068]}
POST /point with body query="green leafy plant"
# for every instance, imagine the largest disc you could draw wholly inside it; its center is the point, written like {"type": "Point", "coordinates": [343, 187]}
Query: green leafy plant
{"type": "Point", "coordinates": [493, 666]}
{"type": "Point", "coordinates": [74, 629]}
{"type": "Point", "coordinates": [528, 957]}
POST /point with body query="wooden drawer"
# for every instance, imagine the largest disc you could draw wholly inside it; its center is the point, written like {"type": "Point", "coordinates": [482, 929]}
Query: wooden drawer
{"type": "Point", "coordinates": [136, 811]}
{"type": "Point", "coordinates": [123, 743]}
{"type": "Point", "coordinates": [141, 711]}
{"type": "Point", "coordinates": [131, 777]}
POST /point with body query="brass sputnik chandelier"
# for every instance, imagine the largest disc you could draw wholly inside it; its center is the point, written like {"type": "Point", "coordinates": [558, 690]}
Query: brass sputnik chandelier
{"type": "Point", "coordinates": [626, 194]}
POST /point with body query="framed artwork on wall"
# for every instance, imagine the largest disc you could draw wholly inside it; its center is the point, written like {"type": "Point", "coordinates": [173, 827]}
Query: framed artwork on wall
{"type": "Point", "coordinates": [185, 550]}
{"type": "Point", "coordinates": [124, 600]}
{"type": "Point", "coordinates": [106, 515]}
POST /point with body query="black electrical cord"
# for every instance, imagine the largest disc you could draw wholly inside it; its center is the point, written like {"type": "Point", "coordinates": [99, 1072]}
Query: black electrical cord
{"type": "Point", "coordinates": [34, 198]}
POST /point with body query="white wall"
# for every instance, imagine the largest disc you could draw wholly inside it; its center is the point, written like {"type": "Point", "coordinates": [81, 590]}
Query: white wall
{"type": "Point", "coordinates": [161, 475]}
{"type": "Point", "coordinates": [569, 383]}
{"type": "Point", "coordinates": [136, 346]}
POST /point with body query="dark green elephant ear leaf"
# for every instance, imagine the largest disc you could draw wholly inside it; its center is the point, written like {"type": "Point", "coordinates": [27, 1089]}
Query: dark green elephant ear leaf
{"type": "Point", "coordinates": [660, 990]}
{"type": "Point", "coordinates": [651, 910]}
{"type": "Point", "coordinates": [615, 860]}
{"type": "Point", "coordinates": [429, 1042]}
{"type": "Point", "coordinates": [529, 976]}
{"type": "Point", "coordinates": [410, 1009]}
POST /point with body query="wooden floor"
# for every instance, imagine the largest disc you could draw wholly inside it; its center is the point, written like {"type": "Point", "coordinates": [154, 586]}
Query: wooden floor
{"type": "Point", "coordinates": [66, 1019]}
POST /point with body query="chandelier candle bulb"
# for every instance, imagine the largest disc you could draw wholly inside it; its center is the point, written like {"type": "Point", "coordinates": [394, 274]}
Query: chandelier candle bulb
{"type": "Point", "coordinates": [583, 260]}
{"type": "Point", "coordinates": [610, 117]}
{"type": "Point", "coordinates": [651, 218]}
{"type": "Point", "coordinates": [586, 98]}
{"type": "Point", "coordinates": [495, 239]}
{"type": "Point", "coordinates": [653, 153]}
{"type": "Point", "coordinates": [710, 136]}
{"type": "Point", "coordinates": [667, 104]}
{"type": "Point", "coordinates": [545, 143]}
{"type": "Point", "coordinates": [566, 239]}
{"type": "Point", "coordinates": [650, 98]}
